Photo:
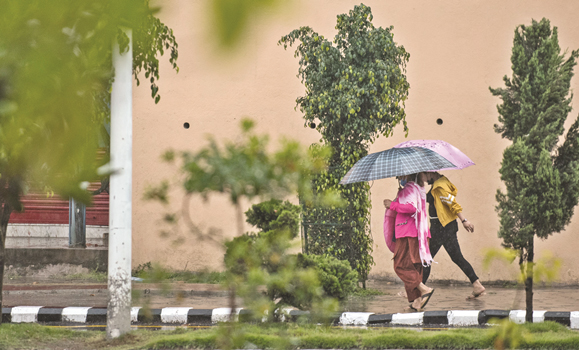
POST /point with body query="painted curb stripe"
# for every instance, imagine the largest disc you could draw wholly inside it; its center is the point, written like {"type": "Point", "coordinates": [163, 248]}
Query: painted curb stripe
{"type": "Point", "coordinates": [222, 314]}
{"type": "Point", "coordinates": [435, 317]}
{"type": "Point", "coordinates": [135, 313]}
{"type": "Point", "coordinates": [6, 314]}
{"type": "Point", "coordinates": [414, 318]}
{"type": "Point", "coordinates": [539, 316]}
{"type": "Point", "coordinates": [151, 315]}
{"type": "Point", "coordinates": [174, 314]}
{"type": "Point", "coordinates": [355, 318]}
{"type": "Point", "coordinates": [24, 314]}
{"type": "Point", "coordinates": [463, 317]}
{"type": "Point", "coordinates": [380, 319]}
{"type": "Point", "coordinates": [562, 317]}
{"type": "Point", "coordinates": [187, 315]}
{"type": "Point", "coordinates": [74, 314]}
{"type": "Point", "coordinates": [96, 315]}
{"type": "Point", "coordinates": [48, 314]}
{"type": "Point", "coordinates": [199, 316]}
{"type": "Point", "coordinates": [574, 319]}
{"type": "Point", "coordinates": [518, 316]}
{"type": "Point", "coordinates": [485, 316]}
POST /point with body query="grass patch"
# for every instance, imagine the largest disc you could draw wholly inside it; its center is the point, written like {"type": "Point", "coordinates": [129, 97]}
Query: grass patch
{"type": "Point", "coordinates": [449, 339]}
{"type": "Point", "coordinates": [369, 292]}
{"type": "Point", "coordinates": [547, 335]}
{"type": "Point", "coordinates": [211, 277]}
{"type": "Point", "coordinates": [34, 336]}
{"type": "Point", "coordinates": [156, 273]}
{"type": "Point", "coordinates": [90, 276]}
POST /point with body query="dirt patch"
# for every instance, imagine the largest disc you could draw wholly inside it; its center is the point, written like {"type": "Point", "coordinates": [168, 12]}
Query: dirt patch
{"type": "Point", "coordinates": [44, 273]}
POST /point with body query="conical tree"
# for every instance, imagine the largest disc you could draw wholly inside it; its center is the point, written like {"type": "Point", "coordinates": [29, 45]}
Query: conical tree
{"type": "Point", "coordinates": [541, 177]}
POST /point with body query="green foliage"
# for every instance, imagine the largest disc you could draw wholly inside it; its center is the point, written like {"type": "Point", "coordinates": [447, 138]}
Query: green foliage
{"type": "Point", "coordinates": [508, 334]}
{"type": "Point", "coordinates": [289, 280]}
{"type": "Point", "coordinates": [355, 91]}
{"type": "Point", "coordinates": [541, 178]}
{"type": "Point", "coordinates": [244, 170]}
{"type": "Point", "coordinates": [230, 18]}
{"type": "Point", "coordinates": [356, 85]}
{"type": "Point", "coordinates": [275, 215]}
{"type": "Point", "coordinates": [142, 269]}
{"type": "Point", "coordinates": [230, 336]}
{"type": "Point", "coordinates": [502, 255]}
{"type": "Point", "coordinates": [262, 260]}
{"type": "Point", "coordinates": [336, 276]}
{"type": "Point", "coordinates": [55, 82]}
{"type": "Point", "coordinates": [152, 38]}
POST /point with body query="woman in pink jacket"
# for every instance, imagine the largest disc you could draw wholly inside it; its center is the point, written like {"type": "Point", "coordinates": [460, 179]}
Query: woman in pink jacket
{"type": "Point", "coordinates": [411, 231]}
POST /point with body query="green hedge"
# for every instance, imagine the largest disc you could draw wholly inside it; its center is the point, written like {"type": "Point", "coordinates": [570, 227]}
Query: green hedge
{"type": "Point", "coordinates": [336, 276]}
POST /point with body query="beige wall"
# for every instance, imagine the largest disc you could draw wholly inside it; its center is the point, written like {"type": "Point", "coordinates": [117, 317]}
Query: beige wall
{"type": "Point", "coordinates": [457, 50]}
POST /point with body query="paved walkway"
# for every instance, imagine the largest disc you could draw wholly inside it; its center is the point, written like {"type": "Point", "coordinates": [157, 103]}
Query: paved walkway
{"type": "Point", "coordinates": [448, 297]}
{"type": "Point", "coordinates": [208, 296]}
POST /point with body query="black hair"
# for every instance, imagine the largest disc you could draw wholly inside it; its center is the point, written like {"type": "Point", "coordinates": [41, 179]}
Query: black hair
{"type": "Point", "coordinates": [414, 178]}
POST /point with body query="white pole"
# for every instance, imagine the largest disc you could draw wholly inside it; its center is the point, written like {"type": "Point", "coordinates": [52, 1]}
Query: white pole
{"type": "Point", "coordinates": [120, 207]}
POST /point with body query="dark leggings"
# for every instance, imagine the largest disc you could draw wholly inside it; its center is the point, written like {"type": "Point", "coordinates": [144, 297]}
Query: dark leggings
{"type": "Point", "coordinates": [446, 236]}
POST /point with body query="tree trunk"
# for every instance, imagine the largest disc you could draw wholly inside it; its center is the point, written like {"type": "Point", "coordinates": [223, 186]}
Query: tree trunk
{"type": "Point", "coordinates": [4, 218]}
{"type": "Point", "coordinates": [3, 228]}
{"type": "Point", "coordinates": [529, 281]}
{"type": "Point", "coordinates": [232, 289]}
{"type": "Point", "coordinates": [10, 191]}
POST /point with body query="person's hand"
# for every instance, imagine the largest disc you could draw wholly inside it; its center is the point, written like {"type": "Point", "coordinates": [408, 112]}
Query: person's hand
{"type": "Point", "coordinates": [387, 203]}
{"type": "Point", "coordinates": [468, 226]}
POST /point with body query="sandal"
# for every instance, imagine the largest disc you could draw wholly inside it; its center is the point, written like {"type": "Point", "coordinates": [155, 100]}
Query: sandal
{"type": "Point", "coordinates": [426, 298]}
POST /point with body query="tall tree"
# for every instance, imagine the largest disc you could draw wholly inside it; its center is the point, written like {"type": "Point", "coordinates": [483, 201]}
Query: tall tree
{"type": "Point", "coordinates": [355, 91]}
{"type": "Point", "coordinates": [541, 177]}
{"type": "Point", "coordinates": [55, 80]}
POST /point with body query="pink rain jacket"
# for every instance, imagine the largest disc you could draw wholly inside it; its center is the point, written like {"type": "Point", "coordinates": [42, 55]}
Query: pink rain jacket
{"type": "Point", "coordinates": [412, 218]}
{"type": "Point", "coordinates": [405, 224]}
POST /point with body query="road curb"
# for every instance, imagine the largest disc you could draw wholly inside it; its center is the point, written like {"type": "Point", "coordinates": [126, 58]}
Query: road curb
{"type": "Point", "coordinates": [186, 315]}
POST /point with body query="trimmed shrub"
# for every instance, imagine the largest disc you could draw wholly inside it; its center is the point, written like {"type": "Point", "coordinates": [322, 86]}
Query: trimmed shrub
{"type": "Point", "coordinates": [275, 215]}
{"type": "Point", "coordinates": [336, 276]}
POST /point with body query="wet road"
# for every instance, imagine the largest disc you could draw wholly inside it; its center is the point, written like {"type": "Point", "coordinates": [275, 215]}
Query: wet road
{"type": "Point", "coordinates": [205, 296]}
{"type": "Point", "coordinates": [448, 297]}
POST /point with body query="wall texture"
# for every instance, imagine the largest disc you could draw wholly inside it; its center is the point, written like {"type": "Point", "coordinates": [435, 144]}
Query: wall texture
{"type": "Point", "coordinates": [457, 50]}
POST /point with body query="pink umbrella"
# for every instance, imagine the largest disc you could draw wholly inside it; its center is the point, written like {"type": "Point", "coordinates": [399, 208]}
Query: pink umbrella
{"type": "Point", "coordinates": [445, 149]}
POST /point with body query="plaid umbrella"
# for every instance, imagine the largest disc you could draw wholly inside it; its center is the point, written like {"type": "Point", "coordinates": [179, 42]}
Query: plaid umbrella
{"type": "Point", "coordinates": [395, 162]}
